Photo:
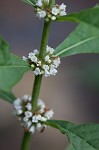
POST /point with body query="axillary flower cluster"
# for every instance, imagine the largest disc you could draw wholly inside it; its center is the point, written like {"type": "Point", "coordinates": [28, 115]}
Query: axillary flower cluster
{"type": "Point", "coordinates": [48, 66]}
{"type": "Point", "coordinates": [43, 11]}
{"type": "Point", "coordinates": [31, 121]}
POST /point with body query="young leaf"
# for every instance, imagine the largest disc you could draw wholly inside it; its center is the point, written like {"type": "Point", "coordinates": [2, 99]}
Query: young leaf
{"type": "Point", "coordinates": [12, 67]}
{"type": "Point", "coordinates": [84, 39]}
{"type": "Point", "coordinates": [8, 96]}
{"type": "Point", "coordinates": [81, 137]}
{"type": "Point", "coordinates": [89, 16]}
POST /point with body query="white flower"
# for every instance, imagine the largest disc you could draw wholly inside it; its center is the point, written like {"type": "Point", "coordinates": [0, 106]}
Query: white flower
{"type": "Point", "coordinates": [32, 57]}
{"type": "Point", "coordinates": [63, 13]}
{"type": "Point", "coordinates": [25, 119]}
{"type": "Point", "coordinates": [19, 112]}
{"type": "Point", "coordinates": [47, 59]}
{"type": "Point", "coordinates": [28, 114]}
{"type": "Point", "coordinates": [55, 11]}
{"type": "Point", "coordinates": [56, 62]}
{"type": "Point", "coordinates": [28, 106]}
{"type": "Point", "coordinates": [18, 107]}
{"type": "Point", "coordinates": [17, 102]}
{"type": "Point", "coordinates": [45, 67]}
{"type": "Point", "coordinates": [29, 98]}
{"type": "Point", "coordinates": [53, 18]}
{"type": "Point", "coordinates": [38, 126]}
{"type": "Point", "coordinates": [41, 105]}
{"type": "Point", "coordinates": [31, 54]}
{"type": "Point", "coordinates": [32, 129]}
{"type": "Point", "coordinates": [43, 119]}
{"type": "Point", "coordinates": [36, 118]}
{"type": "Point", "coordinates": [53, 71]}
{"type": "Point", "coordinates": [24, 58]}
{"type": "Point", "coordinates": [47, 73]}
{"type": "Point", "coordinates": [41, 14]}
{"type": "Point", "coordinates": [49, 49]}
{"type": "Point", "coordinates": [36, 51]}
{"type": "Point", "coordinates": [39, 3]}
{"type": "Point", "coordinates": [49, 114]}
{"type": "Point", "coordinates": [37, 71]}
{"type": "Point", "coordinates": [62, 6]}
{"type": "Point", "coordinates": [28, 124]}
{"type": "Point", "coordinates": [25, 98]}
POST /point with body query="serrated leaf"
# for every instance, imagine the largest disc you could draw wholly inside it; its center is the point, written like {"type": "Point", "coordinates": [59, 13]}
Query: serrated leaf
{"type": "Point", "coordinates": [81, 137]}
{"type": "Point", "coordinates": [7, 96]}
{"type": "Point", "coordinates": [30, 2]}
{"type": "Point", "coordinates": [89, 16]}
{"type": "Point", "coordinates": [12, 68]}
{"type": "Point", "coordinates": [84, 39]}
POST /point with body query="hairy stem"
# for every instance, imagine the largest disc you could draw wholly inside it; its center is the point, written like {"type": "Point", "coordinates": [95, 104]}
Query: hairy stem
{"type": "Point", "coordinates": [38, 79]}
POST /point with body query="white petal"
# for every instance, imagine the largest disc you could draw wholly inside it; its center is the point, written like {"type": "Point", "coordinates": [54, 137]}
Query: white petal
{"type": "Point", "coordinates": [28, 114]}
{"type": "Point", "coordinates": [29, 106]}
{"type": "Point", "coordinates": [32, 129]}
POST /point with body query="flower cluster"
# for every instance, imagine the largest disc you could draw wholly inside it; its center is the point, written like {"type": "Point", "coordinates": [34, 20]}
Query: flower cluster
{"type": "Point", "coordinates": [43, 11]}
{"type": "Point", "coordinates": [30, 120]}
{"type": "Point", "coordinates": [47, 66]}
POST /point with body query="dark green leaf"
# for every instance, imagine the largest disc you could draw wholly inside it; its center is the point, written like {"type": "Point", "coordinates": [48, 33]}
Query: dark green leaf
{"type": "Point", "coordinates": [12, 67]}
{"type": "Point", "coordinates": [84, 39]}
{"type": "Point", "coordinates": [8, 96]}
{"type": "Point", "coordinates": [89, 16]}
{"type": "Point", "coordinates": [81, 137]}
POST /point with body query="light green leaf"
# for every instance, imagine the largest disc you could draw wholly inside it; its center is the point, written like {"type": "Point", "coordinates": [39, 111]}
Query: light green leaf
{"type": "Point", "coordinates": [89, 16]}
{"type": "Point", "coordinates": [84, 39]}
{"type": "Point", "coordinates": [8, 96]}
{"type": "Point", "coordinates": [81, 137]}
{"type": "Point", "coordinates": [30, 2]}
{"type": "Point", "coordinates": [12, 68]}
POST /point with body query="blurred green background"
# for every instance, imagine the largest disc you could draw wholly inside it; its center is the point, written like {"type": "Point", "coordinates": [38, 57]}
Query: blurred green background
{"type": "Point", "coordinates": [73, 93]}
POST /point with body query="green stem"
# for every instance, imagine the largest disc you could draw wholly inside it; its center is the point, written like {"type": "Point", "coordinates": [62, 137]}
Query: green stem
{"type": "Point", "coordinates": [26, 141]}
{"type": "Point", "coordinates": [44, 39]}
{"type": "Point", "coordinates": [36, 90]}
{"type": "Point", "coordinates": [38, 79]}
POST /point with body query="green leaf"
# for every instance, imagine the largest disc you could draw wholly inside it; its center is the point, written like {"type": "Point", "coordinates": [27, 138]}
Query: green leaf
{"type": "Point", "coordinates": [12, 68]}
{"type": "Point", "coordinates": [4, 55]}
{"type": "Point", "coordinates": [30, 2]}
{"type": "Point", "coordinates": [81, 137]}
{"type": "Point", "coordinates": [89, 16]}
{"type": "Point", "coordinates": [8, 96]}
{"type": "Point", "coordinates": [84, 39]}
{"type": "Point", "coordinates": [71, 147]}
